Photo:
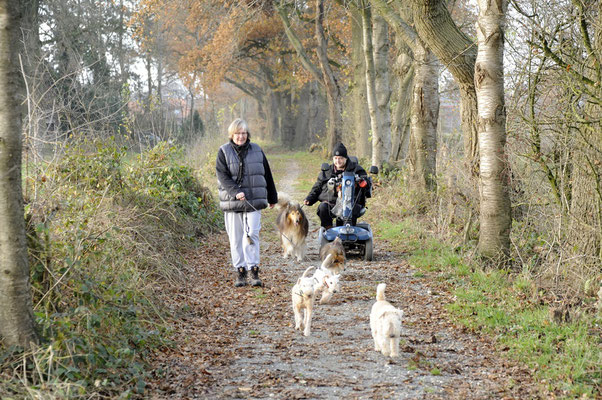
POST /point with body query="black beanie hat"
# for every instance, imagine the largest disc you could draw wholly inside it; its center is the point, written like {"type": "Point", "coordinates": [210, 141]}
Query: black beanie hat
{"type": "Point", "coordinates": [339, 150]}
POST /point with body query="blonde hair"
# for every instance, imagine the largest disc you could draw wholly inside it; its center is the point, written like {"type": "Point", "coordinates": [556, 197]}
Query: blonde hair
{"type": "Point", "coordinates": [236, 125]}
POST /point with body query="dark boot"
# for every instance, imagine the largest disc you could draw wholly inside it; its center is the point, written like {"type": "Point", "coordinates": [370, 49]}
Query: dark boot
{"type": "Point", "coordinates": [255, 281]}
{"type": "Point", "coordinates": [242, 277]}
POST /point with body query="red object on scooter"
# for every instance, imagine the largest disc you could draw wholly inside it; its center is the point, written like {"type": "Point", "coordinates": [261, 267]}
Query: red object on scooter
{"type": "Point", "coordinates": [363, 183]}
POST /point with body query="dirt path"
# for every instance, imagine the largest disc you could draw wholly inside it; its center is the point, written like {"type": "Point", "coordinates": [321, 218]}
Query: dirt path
{"type": "Point", "coordinates": [240, 342]}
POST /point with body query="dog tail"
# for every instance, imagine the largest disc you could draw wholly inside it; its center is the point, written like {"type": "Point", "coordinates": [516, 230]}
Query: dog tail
{"type": "Point", "coordinates": [327, 261]}
{"type": "Point", "coordinates": [380, 291]}
{"type": "Point", "coordinates": [283, 200]}
{"type": "Point", "coordinates": [306, 271]}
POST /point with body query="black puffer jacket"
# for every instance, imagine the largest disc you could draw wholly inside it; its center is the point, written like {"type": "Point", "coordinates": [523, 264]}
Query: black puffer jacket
{"type": "Point", "coordinates": [320, 190]}
{"type": "Point", "coordinates": [257, 182]}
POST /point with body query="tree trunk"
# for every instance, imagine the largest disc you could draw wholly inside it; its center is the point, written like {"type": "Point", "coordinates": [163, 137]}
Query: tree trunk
{"type": "Point", "coordinates": [316, 110]}
{"type": "Point", "coordinates": [424, 116]}
{"type": "Point", "coordinates": [16, 311]}
{"type": "Point", "coordinates": [287, 120]}
{"type": "Point", "coordinates": [457, 52]}
{"type": "Point", "coordinates": [302, 118]}
{"type": "Point", "coordinates": [333, 91]}
{"type": "Point", "coordinates": [371, 87]}
{"type": "Point", "coordinates": [495, 219]}
{"type": "Point", "coordinates": [272, 105]}
{"type": "Point", "coordinates": [380, 40]}
{"type": "Point", "coordinates": [149, 83]}
{"type": "Point", "coordinates": [123, 73]}
{"type": "Point", "coordinates": [191, 113]}
{"type": "Point", "coordinates": [161, 112]}
{"type": "Point", "coordinates": [361, 119]}
{"type": "Point", "coordinates": [326, 77]}
{"type": "Point", "coordinates": [400, 121]}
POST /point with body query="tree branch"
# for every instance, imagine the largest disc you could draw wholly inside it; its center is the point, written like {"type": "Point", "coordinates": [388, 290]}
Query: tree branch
{"type": "Point", "coordinates": [296, 43]}
{"type": "Point", "coordinates": [403, 30]}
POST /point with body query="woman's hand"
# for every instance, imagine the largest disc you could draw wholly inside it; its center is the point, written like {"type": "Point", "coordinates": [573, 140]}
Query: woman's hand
{"type": "Point", "coordinates": [240, 196]}
{"type": "Point", "coordinates": [306, 202]}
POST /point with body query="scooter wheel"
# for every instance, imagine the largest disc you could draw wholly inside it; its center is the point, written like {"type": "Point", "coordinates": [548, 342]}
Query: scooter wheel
{"type": "Point", "coordinates": [368, 250]}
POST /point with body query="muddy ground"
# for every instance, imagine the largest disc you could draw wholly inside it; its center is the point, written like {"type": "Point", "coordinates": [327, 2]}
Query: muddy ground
{"type": "Point", "coordinates": [235, 343]}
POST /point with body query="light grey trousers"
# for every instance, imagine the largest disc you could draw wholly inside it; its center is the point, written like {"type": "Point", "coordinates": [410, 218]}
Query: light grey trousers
{"type": "Point", "coordinates": [243, 253]}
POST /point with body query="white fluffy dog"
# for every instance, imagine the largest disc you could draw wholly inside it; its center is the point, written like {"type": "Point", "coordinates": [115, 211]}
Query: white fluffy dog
{"type": "Point", "coordinates": [303, 294]}
{"type": "Point", "coordinates": [385, 324]}
{"type": "Point", "coordinates": [326, 281]}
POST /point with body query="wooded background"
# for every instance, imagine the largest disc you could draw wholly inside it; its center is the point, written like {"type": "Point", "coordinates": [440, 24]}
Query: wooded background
{"type": "Point", "coordinates": [487, 112]}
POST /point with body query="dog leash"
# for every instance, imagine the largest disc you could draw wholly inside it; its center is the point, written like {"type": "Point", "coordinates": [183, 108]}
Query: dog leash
{"type": "Point", "coordinates": [247, 229]}
{"type": "Point", "coordinates": [286, 237]}
{"type": "Point", "coordinates": [249, 240]}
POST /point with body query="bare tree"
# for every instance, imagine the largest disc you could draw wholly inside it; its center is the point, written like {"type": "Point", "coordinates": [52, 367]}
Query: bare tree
{"type": "Point", "coordinates": [423, 120]}
{"type": "Point", "coordinates": [325, 74]}
{"type": "Point", "coordinates": [16, 311]}
{"type": "Point", "coordinates": [371, 85]}
{"type": "Point", "coordinates": [361, 119]}
{"type": "Point", "coordinates": [457, 52]}
{"type": "Point", "coordinates": [559, 98]}
{"type": "Point", "coordinates": [380, 39]}
{"type": "Point", "coordinates": [376, 45]}
{"type": "Point", "coordinates": [425, 98]}
{"type": "Point", "coordinates": [403, 69]}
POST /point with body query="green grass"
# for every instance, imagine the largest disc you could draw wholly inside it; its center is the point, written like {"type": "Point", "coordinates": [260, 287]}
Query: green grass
{"type": "Point", "coordinates": [566, 358]}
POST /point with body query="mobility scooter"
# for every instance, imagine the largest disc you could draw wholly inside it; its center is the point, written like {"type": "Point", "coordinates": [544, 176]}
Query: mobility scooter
{"type": "Point", "coordinates": [356, 237]}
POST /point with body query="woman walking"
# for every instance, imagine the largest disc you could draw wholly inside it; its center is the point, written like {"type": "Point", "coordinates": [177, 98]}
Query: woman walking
{"type": "Point", "coordinates": [246, 186]}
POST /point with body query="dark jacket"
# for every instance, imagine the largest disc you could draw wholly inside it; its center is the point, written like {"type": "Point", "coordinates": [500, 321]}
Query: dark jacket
{"type": "Point", "coordinates": [257, 182]}
{"type": "Point", "coordinates": [320, 190]}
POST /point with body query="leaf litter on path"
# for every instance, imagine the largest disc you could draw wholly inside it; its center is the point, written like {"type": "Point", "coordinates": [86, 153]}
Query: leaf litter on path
{"type": "Point", "coordinates": [235, 343]}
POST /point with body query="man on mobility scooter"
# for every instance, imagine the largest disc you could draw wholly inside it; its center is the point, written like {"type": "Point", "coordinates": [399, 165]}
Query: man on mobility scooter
{"type": "Point", "coordinates": [342, 187]}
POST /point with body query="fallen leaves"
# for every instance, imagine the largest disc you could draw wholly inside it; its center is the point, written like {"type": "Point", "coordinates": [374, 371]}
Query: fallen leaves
{"type": "Point", "coordinates": [240, 342]}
